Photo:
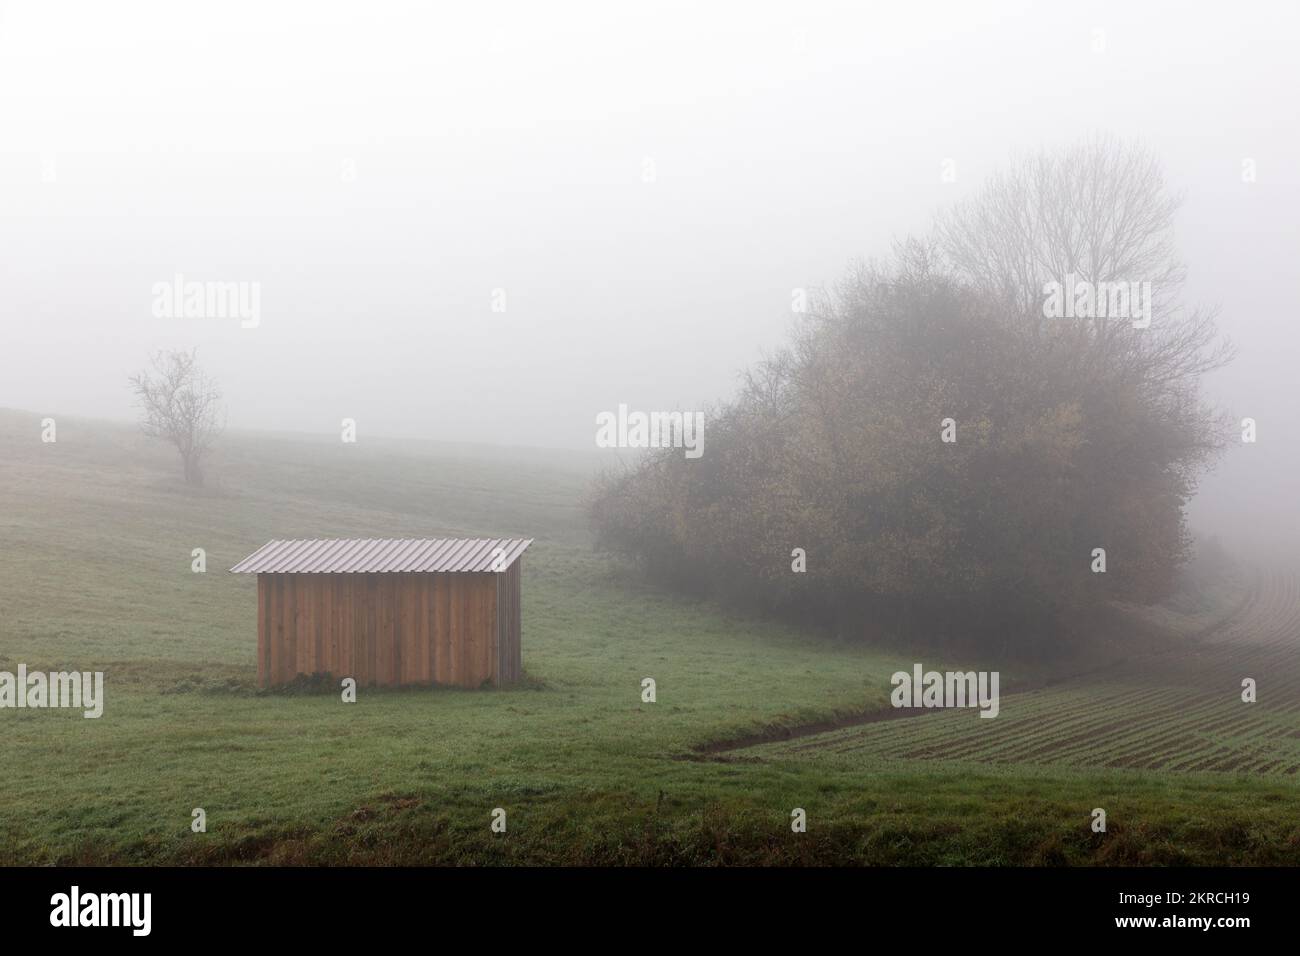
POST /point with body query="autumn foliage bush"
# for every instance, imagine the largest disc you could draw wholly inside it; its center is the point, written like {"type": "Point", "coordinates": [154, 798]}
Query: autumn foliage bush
{"type": "Point", "coordinates": [835, 446]}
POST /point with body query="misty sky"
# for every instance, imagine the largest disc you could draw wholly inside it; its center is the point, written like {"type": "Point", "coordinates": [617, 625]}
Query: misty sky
{"type": "Point", "coordinates": [381, 168]}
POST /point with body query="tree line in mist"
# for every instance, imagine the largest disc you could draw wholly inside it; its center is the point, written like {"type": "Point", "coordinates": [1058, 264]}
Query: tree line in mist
{"type": "Point", "coordinates": [947, 452]}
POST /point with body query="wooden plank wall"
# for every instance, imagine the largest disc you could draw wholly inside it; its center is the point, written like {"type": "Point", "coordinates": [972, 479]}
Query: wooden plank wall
{"type": "Point", "coordinates": [509, 620]}
{"type": "Point", "coordinates": [385, 629]}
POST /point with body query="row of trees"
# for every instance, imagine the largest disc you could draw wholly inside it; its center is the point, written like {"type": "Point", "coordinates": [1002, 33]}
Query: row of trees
{"type": "Point", "coordinates": [1065, 435]}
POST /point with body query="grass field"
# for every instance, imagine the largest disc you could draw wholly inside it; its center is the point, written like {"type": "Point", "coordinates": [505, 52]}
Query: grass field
{"type": "Point", "coordinates": [96, 534]}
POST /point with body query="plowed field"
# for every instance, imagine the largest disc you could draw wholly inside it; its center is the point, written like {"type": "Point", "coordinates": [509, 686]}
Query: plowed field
{"type": "Point", "coordinates": [1177, 711]}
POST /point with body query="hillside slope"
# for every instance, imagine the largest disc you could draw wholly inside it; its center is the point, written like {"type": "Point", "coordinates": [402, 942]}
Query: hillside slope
{"type": "Point", "coordinates": [96, 535]}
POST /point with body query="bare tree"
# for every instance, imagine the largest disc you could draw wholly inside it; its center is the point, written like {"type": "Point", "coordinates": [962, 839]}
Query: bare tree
{"type": "Point", "coordinates": [180, 405]}
{"type": "Point", "coordinates": [1098, 210]}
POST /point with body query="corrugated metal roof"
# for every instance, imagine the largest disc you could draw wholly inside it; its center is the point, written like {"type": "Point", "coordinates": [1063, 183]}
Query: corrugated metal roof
{"type": "Point", "coordinates": [382, 555]}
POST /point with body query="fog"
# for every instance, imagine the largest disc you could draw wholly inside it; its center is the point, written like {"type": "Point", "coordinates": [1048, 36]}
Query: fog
{"type": "Point", "coordinates": [491, 222]}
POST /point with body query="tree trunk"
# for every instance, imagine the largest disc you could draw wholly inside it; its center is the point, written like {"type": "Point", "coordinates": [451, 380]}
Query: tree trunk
{"type": "Point", "coordinates": [193, 470]}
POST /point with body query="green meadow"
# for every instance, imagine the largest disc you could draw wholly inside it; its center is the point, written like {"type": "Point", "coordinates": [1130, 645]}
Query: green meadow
{"type": "Point", "coordinates": [96, 537]}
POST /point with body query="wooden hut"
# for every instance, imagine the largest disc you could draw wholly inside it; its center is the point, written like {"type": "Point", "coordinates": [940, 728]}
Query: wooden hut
{"type": "Point", "coordinates": [389, 611]}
